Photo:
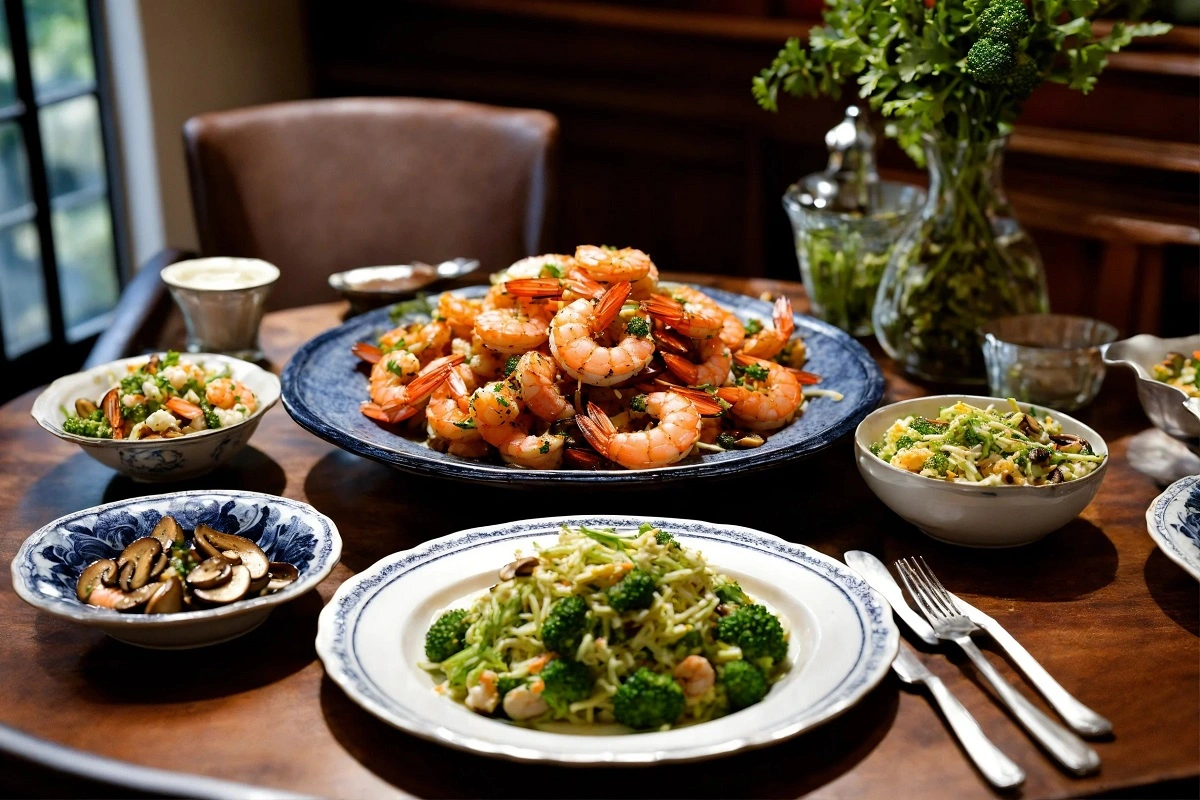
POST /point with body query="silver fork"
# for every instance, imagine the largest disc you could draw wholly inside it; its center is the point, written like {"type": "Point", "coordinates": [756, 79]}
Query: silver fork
{"type": "Point", "coordinates": [950, 624]}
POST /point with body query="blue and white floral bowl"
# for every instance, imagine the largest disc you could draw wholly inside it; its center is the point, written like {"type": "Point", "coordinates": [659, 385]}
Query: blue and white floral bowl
{"type": "Point", "coordinates": [47, 566]}
{"type": "Point", "coordinates": [1173, 521]}
{"type": "Point", "coordinates": [156, 460]}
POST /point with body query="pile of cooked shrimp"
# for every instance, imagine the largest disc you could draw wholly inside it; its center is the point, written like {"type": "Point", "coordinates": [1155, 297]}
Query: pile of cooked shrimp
{"type": "Point", "coordinates": [587, 362]}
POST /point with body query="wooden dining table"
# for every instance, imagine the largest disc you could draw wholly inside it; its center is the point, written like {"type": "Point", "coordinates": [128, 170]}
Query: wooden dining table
{"type": "Point", "coordinates": [1111, 617]}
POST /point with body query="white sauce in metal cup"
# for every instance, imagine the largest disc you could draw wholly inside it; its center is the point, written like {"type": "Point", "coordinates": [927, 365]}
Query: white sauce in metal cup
{"type": "Point", "coordinates": [220, 274]}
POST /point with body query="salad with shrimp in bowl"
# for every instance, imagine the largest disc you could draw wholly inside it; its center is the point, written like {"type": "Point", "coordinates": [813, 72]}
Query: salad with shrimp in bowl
{"type": "Point", "coordinates": [589, 362]}
{"type": "Point", "coordinates": [163, 417]}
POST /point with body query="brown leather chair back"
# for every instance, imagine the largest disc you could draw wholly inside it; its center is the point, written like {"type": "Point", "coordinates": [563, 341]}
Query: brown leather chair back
{"type": "Point", "coordinates": [320, 186]}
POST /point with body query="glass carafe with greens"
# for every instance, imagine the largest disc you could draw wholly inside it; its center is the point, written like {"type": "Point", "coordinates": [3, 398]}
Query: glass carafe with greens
{"type": "Point", "coordinates": [963, 261]}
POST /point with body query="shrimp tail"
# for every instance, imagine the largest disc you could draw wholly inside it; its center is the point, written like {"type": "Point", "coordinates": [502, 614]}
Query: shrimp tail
{"type": "Point", "coordinates": [375, 412]}
{"type": "Point", "coordinates": [597, 428]}
{"type": "Point", "coordinates": [782, 317]}
{"type": "Point", "coordinates": [706, 404]}
{"type": "Point", "coordinates": [666, 310]}
{"type": "Point", "coordinates": [182, 408]}
{"type": "Point", "coordinates": [681, 368]}
{"type": "Point", "coordinates": [746, 360]}
{"type": "Point", "coordinates": [367, 352]}
{"type": "Point", "coordinates": [671, 342]}
{"type": "Point", "coordinates": [731, 394]}
{"type": "Point", "coordinates": [452, 360]}
{"type": "Point", "coordinates": [609, 305]}
{"type": "Point", "coordinates": [544, 288]}
{"type": "Point", "coordinates": [804, 378]}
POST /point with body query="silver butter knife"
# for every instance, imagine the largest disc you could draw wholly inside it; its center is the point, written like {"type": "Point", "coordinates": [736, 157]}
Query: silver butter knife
{"type": "Point", "coordinates": [875, 572]}
{"type": "Point", "coordinates": [1078, 716]}
{"type": "Point", "coordinates": [999, 769]}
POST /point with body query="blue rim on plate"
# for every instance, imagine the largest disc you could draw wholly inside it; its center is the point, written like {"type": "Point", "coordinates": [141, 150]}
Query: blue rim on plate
{"type": "Point", "coordinates": [340, 639]}
{"type": "Point", "coordinates": [1173, 521]}
{"type": "Point", "coordinates": [323, 389]}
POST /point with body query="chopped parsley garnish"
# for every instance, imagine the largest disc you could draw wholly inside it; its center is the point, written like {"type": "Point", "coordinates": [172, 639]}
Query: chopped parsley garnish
{"type": "Point", "coordinates": [638, 326]}
{"type": "Point", "coordinates": [752, 327]}
{"type": "Point", "coordinates": [510, 366]}
{"type": "Point", "coordinates": [552, 269]}
{"type": "Point", "coordinates": [545, 448]}
{"type": "Point", "coordinates": [638, 403]}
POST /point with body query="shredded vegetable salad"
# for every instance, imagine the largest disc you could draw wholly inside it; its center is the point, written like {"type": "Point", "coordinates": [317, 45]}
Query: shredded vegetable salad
{"type": "Point", "coordinates": [604, 627]}
{"type": "Point", "coordinates": [1180, 371]}
{"type": "Point", "coordinates": [988, 446]}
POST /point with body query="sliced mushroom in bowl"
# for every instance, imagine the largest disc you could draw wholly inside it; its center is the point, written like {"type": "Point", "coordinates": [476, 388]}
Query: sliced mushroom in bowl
{"type": "Point", "coordinates": [178, 570]}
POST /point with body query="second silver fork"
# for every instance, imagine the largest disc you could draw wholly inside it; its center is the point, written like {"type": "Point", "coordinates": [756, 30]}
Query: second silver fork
{"type": "Point", "coordinates": [950, 624]}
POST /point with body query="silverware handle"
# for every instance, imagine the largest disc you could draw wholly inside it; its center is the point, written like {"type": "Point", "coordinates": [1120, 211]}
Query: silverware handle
{"type": "Point", "coordinates": [1078, 716]}
{"type": "Point", "coordinates": [1070, 751]}
{"type": "Point", "coordinates": [1000, 770]}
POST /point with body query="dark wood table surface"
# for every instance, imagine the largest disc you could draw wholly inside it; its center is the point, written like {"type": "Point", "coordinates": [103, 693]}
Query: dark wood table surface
{"type": "Point", "coordinates": [1111, 617]}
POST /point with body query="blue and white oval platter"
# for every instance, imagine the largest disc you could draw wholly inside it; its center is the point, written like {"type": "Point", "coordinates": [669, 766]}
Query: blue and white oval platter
{"type": "Point", "coordinates": [323, 389]}
{"type": "Point", "coordinates": [1173, 521]}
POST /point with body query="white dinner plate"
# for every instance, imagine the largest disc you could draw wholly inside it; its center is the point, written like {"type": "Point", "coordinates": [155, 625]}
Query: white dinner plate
{"type": "Point", "coordinates": [1173, 521]}
{"type": "Point", "coordinates": [371, 637]}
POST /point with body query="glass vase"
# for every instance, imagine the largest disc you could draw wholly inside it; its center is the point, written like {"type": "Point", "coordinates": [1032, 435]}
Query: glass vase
{"type": "Point", "coordinates": [963, 261]}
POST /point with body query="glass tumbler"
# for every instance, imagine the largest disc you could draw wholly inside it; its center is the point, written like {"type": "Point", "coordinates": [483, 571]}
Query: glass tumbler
{"type": "Point", "coordinates": [1046, 359]}
{"type": "Point", "coordinates": [842, 255]}
{"type": "Point", "coordinates": [222, 301]}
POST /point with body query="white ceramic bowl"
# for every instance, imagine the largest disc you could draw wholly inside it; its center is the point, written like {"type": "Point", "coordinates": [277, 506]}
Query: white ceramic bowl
{"type": "Point", "coordinates": [47, 566]}
{"type": "Point", "coordinates": [1170, 409]}
{"type": "Point", "coordinates": [964, 513]}
{"type": "Point", "coordinates": [156, 460]}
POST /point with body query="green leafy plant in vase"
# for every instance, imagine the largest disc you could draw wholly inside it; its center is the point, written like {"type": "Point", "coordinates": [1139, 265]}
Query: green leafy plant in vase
{"type": "Point", "coordinates": [949, 78]}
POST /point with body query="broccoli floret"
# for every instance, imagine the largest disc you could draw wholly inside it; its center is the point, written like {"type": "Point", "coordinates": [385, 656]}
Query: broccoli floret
{"type": "Point", "coordinates": [638, 403]}
{"type": "Point", "coordinates": [93, 426]}
{"type": "Point", "coordinates": [1004, 20]}
{"type": "Point", "coordinates": [566, 682]}
{"type": "Point", "coordinates": [447, 635]}
{"type": "Point", "coordinates": [171, 359]}
{"type": "Point", "coordinates": [991, 61]}
{"type": "Point", "coordinates": [756, 631]}
{"type": "Point", "coordinates": [925, 426]}
{"type": "Point", "coordinates": [938, 462]}
{"type": "Point", "coordinates": [132, 383]}
{"type": "Point", "coordinates": [510, 365]}
{"type": "Point", "coordinates": [506, 683]}
{"type": "Point", "coordinates": [731, 592]}
{"type": "Point", "coordinates": [904, 442]}
{"type": "Point", "coordinates": [755, 372]}
{"type": "Point", "coordinates": [638, 326]}
{"type": "Point", "coordinates": [1025, 77]}
{"type": "Point", "coordinates": [875, 448]}
{"type": "Point", "coordinates": [688, 644]}
{"type": "Point", "coordinates": [634, 591]}
{"type": "Point", "coordinates": [648, 700]}
{"type": "Point", "coordinates": [745, 684]}
{"type": "Point", "coordinates": [565, 625]}
{"type": "Point", "coordinates": [665, 538]}
{"type": "Point", "coordinates": [726, 440]}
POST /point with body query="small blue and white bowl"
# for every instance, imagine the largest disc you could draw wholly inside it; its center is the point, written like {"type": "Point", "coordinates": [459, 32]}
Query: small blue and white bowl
{"type": "Point", "coordinates": [156, 460]}
{"type": "Point", "coordinates": [47, 567]}
{"type": "Point", "coordinates": [1173, 521]}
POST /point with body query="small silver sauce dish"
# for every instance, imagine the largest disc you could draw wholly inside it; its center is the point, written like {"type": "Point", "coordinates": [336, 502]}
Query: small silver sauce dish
{"type": "Point", "coordinates": [372, 287]}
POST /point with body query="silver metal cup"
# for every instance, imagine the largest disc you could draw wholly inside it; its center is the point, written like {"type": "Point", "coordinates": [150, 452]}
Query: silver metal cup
{"type": "Point", "coordinates": [222, 301]}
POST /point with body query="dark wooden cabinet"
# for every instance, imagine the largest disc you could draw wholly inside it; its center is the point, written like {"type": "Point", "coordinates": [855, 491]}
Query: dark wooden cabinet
{"type": "Point", "coordinates": [663, 147]}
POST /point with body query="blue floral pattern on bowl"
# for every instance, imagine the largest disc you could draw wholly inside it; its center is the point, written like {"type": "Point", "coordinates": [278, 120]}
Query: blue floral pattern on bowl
{"type": "Point", "coordinates": [323, 389]}
{"type": "Point", "coordinates": [1173, 521]}
{"type": "Point", "coordinates": [48, 564]}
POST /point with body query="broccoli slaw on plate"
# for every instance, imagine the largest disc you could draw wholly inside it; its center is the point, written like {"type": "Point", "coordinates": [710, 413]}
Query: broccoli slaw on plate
{"type": "Point", "coordinates": [837, 638]}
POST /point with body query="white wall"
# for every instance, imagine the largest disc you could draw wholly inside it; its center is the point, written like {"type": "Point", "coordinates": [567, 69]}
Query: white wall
{"type": "Point", "coordinates": [173, 59]}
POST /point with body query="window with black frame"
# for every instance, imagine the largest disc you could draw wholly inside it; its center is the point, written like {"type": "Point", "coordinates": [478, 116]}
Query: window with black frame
{"type": "Point", "coordinates": [60, 269]}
